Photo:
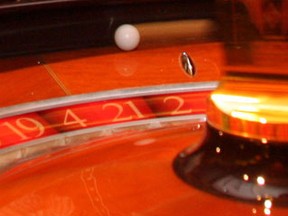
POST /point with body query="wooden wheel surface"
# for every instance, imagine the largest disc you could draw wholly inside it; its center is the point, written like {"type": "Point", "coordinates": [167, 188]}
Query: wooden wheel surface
{"type": "Point", "coordinates": [95, 130]}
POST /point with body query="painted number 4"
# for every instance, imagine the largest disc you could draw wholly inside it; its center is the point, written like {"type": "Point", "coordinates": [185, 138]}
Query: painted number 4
{"type": "Point", "coordinates": [71, 119]}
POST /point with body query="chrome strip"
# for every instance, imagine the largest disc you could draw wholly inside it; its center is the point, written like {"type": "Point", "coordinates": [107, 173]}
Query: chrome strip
{"type": "Point", "coordinates": [17, 154]}
{"type": "Point", "coordinates": [105, 95]}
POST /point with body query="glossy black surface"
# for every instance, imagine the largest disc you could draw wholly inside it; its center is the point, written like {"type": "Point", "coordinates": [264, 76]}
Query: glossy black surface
{"type": "Point", "coordinates": [235, 167]}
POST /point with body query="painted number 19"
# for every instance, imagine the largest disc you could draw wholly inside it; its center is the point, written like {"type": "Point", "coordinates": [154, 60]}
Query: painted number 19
{"type": "Point", "coordinates": [23, 126]}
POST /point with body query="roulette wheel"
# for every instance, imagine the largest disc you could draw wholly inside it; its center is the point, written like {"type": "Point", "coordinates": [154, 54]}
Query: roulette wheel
{"type": "Point", "coordinates": [194, 118]}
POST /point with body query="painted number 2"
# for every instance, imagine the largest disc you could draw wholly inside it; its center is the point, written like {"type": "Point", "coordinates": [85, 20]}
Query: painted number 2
{"type": "Point", "coordinates": [179, 105]}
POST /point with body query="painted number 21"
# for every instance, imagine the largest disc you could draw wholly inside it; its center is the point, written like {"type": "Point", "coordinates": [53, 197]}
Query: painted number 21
{"type": "Point", "coordinates": [120, 111]}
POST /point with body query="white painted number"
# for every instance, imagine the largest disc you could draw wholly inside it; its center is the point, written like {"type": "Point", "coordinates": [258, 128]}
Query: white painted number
{"type": "Point", "coordinates": [180, 103]}
{"type": "Point", "coordinates": [24, 125]}
{"type": "Point", "coordinates": [120, 111]}
{"type": "Point", "coordinates": [135, 109]}
{"type": "Point", "coordinates": [71, 118]}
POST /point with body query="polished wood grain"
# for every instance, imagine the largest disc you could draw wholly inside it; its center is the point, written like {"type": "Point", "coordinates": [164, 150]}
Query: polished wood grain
{"type": "Point", "coordinates": [124, 177]}
{"type": "Point", "coordinates": [30, 78]}
{"type": "Point", "coordinates": [22, 79]}
{"type": "Point", "coordinates": [119, 175]}
{"type": "Point", "coordinates": [134, 69]}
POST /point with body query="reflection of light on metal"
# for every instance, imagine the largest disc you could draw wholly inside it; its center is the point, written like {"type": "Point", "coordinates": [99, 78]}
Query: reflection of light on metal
{"type": "Point", "coordinates": [254, 211]}
{"type": "Point", "coordinates": [244, 188]}
{"type": "Point", "coordinates": [260, 109]}
{"type": "Point", "coordinates": [245, 177]}
{"type": "Point", "coordinates": [264, 140]}
{"type": "Point", "coordinates": [260, 180]}
{"type": "Point", "coordinates": [244, 115]}
{"type": "Point", "coordinates": [248, 108]}
{"type": "Point", "coordinates": [242, 107]}
{"type": "Point", "coordinates": [262, 120]}
{"type": "Point", "coordinates": [223, 98]}
{"type": "Point", "coordinates": [267, 211]}
{"type": "Point", "coordinates": [218, 150]}
{"type": "Point", "coordinates": [187, 64]}
{"type": "Point", "coordinates": [268, 203]}
{"type": "Point", "coordinates": [267, 207]}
